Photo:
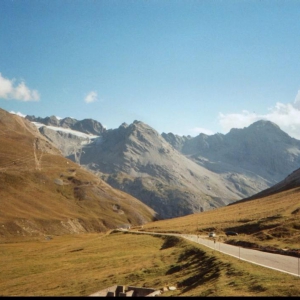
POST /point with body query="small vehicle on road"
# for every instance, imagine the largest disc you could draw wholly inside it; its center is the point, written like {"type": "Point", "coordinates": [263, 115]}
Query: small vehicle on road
{"type": "Point", "coordinates": [211, 234]}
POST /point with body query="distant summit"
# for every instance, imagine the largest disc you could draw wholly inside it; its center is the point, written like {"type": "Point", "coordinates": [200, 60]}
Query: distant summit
{"type": "Point", "coordinates": [88, 126]}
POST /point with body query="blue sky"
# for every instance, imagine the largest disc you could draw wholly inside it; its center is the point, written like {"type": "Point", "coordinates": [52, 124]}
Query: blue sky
{"type": "Point", "coordinates": [180, 66]}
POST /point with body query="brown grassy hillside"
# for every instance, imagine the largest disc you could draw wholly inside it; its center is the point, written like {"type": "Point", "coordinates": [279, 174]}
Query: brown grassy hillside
{"type": "Point", "coordinates": [43, 193]}
{"type": "Point", "coordinates": [271, 223]}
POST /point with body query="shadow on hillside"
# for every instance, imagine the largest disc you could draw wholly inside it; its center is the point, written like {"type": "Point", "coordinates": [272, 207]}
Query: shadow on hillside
{"type": "Point", "coordinates": [257, 225]}
{"type": "Point", "coordinates": [169, 241]}
{"type": "Point", "coordinates": [197, 268]}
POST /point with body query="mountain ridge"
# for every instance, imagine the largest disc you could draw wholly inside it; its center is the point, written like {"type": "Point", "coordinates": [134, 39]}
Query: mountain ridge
{"type": "Point", "coordinates": [183, 175]}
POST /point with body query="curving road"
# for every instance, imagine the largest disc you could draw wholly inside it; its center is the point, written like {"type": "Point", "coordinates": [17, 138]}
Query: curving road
{"type": "Point", "coordinates": [278, 262]}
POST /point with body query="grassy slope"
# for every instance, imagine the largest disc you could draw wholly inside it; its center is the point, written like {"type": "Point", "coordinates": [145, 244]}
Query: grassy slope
{"type": "Point", "coordinates": [80, 265]}
{"type": "Point", "coordinates": [272, 221]}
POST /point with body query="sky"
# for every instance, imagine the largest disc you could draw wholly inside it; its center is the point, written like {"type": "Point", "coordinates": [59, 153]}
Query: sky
{"type": "Point", "coordinates": [180, 66]}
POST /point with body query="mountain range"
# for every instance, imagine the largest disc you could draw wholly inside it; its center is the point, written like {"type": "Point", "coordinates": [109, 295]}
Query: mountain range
{"type": "Point", "coordinates": [177, 175]}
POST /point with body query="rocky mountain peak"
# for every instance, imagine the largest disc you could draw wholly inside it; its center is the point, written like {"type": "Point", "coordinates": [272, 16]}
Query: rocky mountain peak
{"type": "Point", "coordinates": [265, 131]}
{"type": "Point", "coordinates": [263, 124]}
{"type": "Point", "coordinates": [175, 140]}
{"type": "Point", "coordinates": [49, 121]}
{"type": "Point", "coordinates": [88, 126]}
{"type": "Point", "coordinates": [67, 122]}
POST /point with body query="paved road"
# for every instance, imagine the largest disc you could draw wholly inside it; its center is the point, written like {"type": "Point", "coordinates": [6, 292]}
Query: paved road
{"type": "Point", "coordinates": [282, 263]}
{"type": "Point", "coordinates": [278, 262]}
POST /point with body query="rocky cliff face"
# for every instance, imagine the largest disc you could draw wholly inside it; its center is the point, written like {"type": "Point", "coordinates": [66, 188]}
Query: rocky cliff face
{"type": "Point", "coordinates": [181, 175]}
{"type": "Point", "coordinates": [67, 142]}
{"type": "Point", "coordinates": [88, 126]}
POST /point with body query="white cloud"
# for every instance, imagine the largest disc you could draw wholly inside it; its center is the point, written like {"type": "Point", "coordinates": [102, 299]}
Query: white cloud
{"type": "Point", "coordinates": [286, 116]}
{"type": "Point", "coordinates": [297, 101]}
{"type": "Point", "coordinates": [91, 97]}
{"type": "Point", "coordinates": [5, 87]}
{"type": "Point", "coordinates": [236, 120]}
{"type": "Point", "coordinates": [198, 130]}
{"type": "Point", "coordinates": [9, 90]}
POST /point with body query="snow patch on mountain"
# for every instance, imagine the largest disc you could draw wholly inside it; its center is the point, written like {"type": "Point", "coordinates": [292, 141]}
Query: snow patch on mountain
{"type": "Point", "coordinates": [67, 130]}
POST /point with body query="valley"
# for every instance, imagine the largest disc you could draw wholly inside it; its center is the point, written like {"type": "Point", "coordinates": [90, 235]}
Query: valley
{"type": "Point", "coordinates": [58, 221]}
